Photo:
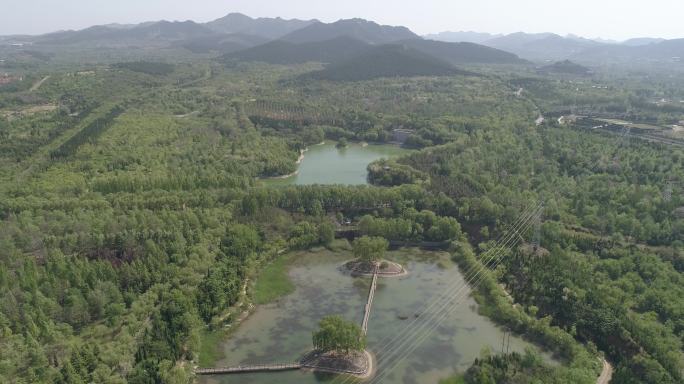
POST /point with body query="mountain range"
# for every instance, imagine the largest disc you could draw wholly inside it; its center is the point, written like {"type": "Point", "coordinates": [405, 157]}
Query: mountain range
{"type": "Point", "coordinates": [351, 49]}
{"type": "Point", "coordinates": [280, 41]}
{"type": "Point", "coordinates": [357, 49]}
{"type": "Point", "coordinates": [553, 47]}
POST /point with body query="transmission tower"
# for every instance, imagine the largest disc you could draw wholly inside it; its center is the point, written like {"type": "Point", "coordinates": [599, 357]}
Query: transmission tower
{"type": "Point", "coordinates": [667, 192]}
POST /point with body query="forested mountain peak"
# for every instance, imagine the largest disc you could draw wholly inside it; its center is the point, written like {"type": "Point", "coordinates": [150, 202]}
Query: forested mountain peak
{"type": "Point", "coordinates": [285, 52]}
{"type": "Point", "coordinates": [267, 27]}
{"type": "Point", "coordinates": [566, 67]}
{"type": "Point", "coordinates": [390, 60]}
{"type": "Point", "coordinates": [360, 29]}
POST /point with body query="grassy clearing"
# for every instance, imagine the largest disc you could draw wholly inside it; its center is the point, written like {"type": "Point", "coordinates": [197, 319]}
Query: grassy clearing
{"type": "Point", "coordinates": [210, 351]}
{"type": "Point", "coordinates": [453, 380]}
{"type": "Point", "coordinates": [273, 281]}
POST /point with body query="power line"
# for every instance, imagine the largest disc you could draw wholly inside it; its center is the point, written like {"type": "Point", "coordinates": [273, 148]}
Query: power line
{"type": "Point", "coordinates": [510, 238]}
{"type": "Point", "coordinates": [404, 350]}
{"type": "Point", "coordinates": [438, 301]}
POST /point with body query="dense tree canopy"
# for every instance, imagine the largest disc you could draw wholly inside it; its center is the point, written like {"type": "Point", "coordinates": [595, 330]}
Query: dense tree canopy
{"type": "Point", "coordinates": [338, 335]}
{"type": "Point", "coordinates": [370, 249]}
{"type": "Point", "coordinates": [132, 210]}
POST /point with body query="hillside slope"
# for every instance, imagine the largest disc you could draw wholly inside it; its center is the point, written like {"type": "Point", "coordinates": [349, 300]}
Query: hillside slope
{"type": "Point", "coordinates": [344, 47]}
{"type": "Point", "coordinates": [283, 52]}
{"type": "Point", "coordinates": [386, 61]}
{"type": "Point", "coordinates": [460, 53]}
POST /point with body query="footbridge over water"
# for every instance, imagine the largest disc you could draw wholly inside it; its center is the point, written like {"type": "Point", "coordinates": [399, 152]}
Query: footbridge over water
{"type": "Point", "coordinates": [369, 302]}
{"type": "Point", "coordinates": [304, 363]}
{"type": "Point", "coordinates": [250, 368]}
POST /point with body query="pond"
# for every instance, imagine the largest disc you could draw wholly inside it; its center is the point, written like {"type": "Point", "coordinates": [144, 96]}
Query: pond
{"type": "Point", "coordinates": [281, 332]}
{"type": "Point", "coordinates": [326, 164]}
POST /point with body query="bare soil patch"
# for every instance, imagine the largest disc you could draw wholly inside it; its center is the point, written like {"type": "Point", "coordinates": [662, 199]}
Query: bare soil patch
{"type": "Point", "coordinates": [356, 363]}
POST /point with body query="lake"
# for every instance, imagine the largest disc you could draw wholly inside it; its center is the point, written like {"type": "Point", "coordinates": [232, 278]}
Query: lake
{"type": "Point", "coordinates": [326, 164]}
{"type": "Point", "coordinates": [281, 332]}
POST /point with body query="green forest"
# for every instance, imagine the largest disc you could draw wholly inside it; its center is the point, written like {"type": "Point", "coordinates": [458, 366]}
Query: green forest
{"type": "Point", "coordinates": [134, 215]}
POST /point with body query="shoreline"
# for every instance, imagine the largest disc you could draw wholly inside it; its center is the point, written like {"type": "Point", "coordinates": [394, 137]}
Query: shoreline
{"type": "Point", "coordinates": [299, 161]}
{"type": "Point", "coordinates": [368, 371]}
{"type": "Point", "coordinates": [225, 331]}
{"type": "Point", "coordinates": [302, 152]}
{"type": "Point", "coordinates": [344, 267]}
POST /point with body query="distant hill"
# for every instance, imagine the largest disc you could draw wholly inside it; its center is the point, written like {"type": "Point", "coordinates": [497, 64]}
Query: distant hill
{"type": "Point", "coordinates": [283, 52]}
{"type": "Point", "coordinates": [157, 31]}
{"type": "Point", "coordinates": [344, 47]}
{"type": "Point", "coordinates": [641, 41]}
{"type": "Point", "coordinates": [551, 47]}
{"type": "Point", "coordinates": [667, 52]}
{"type": "Point", "coordinates": [566, 67]}
{"type": "Point", "coordinates": [172, 30]}
{"type": "Point", "coordinates": [269, 28]}
{"type": "Point", "coordinates": [276, 40]}
{"type": "Point", "coordinates": [462, 36]}
{"type": "Point", "coordinates": [518, 39]}
{"type": "Point", "coordinates": [462, 53]}
{"type": "Point", "coordinates": [222, 43]}
{"type": "Point", "coordinates": [392, 60]}
{"type": "Point", "coordinates": [359, 29]}
{"type": "Point", "coordinates": [542, 46]}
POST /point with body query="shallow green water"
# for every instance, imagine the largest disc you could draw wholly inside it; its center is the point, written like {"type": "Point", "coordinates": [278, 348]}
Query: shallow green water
{"type": "Point", "coordinates": [281, 332]}
{"type": "Point", "coordinates": [325, 164]}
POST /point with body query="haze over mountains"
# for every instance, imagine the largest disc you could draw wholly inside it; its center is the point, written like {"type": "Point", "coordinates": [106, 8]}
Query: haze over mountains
{"type": "Point", "coordinates": [238, 37]}
{"type": "Point", "coordinates": [352, 49]}
{"type": "Point", "coordinates": [270, 28]}
{"type": "Point", "coordinates": [553, 47]}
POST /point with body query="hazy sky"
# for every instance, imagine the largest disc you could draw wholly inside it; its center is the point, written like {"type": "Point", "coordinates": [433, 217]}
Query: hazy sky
{"type": "Point", "coordinates": [615, 19]}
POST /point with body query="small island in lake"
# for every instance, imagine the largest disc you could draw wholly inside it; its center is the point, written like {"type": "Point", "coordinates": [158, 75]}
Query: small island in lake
{"type": "Point", "coordinates": [369, 252]}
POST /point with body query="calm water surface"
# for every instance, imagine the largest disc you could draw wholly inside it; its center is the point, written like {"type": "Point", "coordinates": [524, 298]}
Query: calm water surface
{"type": "Point", "coordinates": [281, 332]}
{"type": "Point", "coordinates": [325, 164]}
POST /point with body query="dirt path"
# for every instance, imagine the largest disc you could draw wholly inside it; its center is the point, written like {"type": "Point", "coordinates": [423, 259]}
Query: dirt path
{"type": "Point", "coordinates": [606, 374]}
{"type": "Point", "coordinates": [38, 84]}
